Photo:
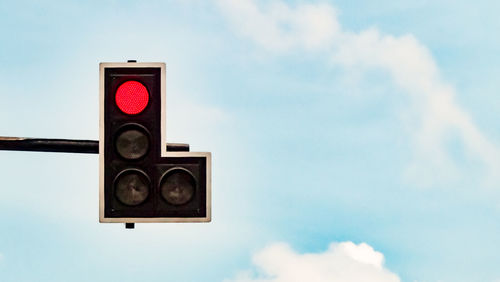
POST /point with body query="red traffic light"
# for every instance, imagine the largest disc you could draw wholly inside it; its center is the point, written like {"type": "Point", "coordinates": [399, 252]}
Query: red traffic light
{"type": "Point", "coordinates": [138, 180]}
{"type": "Point", "coordinates": [132, 97]}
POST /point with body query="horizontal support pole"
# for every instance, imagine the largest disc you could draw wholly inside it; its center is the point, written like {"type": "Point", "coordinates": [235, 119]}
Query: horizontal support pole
{"type": "Point", "coordinates": [65, 145]}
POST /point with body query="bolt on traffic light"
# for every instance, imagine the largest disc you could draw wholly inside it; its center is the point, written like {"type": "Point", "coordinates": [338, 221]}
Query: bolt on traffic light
{"type": "Point", "coordinates": [139, 180]}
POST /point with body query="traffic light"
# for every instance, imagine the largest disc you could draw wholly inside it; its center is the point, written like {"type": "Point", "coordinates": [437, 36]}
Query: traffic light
{"type": "Point", "coordinates": [140, 181]}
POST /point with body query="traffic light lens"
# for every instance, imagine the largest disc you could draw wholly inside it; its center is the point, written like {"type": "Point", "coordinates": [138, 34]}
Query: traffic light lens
{"type": "Point", "coordinates": [132, 187]}
{"type": "Point", "coordinates": [132, 97]}
{"type": "Point", "coordinates": [177, 186]}
{"type": "Point", "coordinates": [132, 143]}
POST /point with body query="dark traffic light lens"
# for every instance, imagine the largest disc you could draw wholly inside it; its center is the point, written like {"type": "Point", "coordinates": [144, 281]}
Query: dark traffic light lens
{"type": "Point", "coordinates": [177, 186]}
{"type": "Point", "coordinates": [132, 187]}
{"type": "Point", "coordinates": [132, 142]}
{"type": "Point", "coordinates": [132, 97]}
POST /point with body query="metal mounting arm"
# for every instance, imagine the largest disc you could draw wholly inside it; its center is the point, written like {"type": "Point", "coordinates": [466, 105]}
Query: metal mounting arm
{"type": "Point", "coordinates": [65, 145]}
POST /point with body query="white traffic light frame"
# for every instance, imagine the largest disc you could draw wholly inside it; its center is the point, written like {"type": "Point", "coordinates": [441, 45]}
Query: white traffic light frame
{"type": "Point", "coordinates": [163, 153]}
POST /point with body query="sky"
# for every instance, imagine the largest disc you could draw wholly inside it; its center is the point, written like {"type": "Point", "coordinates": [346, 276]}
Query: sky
{"type": "Point", "coordinates": [351, 140]}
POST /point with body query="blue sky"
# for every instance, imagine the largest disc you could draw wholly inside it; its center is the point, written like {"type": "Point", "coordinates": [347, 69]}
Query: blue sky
{"type": "Point", "coordinates": [351, 140]}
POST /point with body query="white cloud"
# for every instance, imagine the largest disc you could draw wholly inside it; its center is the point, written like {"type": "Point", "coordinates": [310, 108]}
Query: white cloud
{"type": "Point", "coordinates": [435, 114]}
{"type": "Point", "coordinates": [281, 28]}
{"type": "Point", "coordinates": [343, 262]}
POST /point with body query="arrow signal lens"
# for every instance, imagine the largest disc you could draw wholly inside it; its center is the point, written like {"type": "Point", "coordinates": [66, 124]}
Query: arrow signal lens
{"type": "Point", "coordinates": [178, 186]}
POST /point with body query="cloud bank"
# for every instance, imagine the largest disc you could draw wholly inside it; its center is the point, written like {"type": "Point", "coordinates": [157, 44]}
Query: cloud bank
{"type": "Point", "coordinates": [434, 115]}
{"type": "Point", "coordinates": [343, 262]}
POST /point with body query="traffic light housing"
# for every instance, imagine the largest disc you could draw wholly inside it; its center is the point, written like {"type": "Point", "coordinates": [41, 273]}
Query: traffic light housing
{"type": "Point", "coordinates": [140, 181]}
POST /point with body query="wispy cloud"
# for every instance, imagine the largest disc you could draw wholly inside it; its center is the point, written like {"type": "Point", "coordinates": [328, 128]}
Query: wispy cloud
{"type": "Point", "coordinates": [282, 28]}
{"type": "Point", "coordinates": [434, 115]}
{"type": "Point", "coordinates": [344, 261]}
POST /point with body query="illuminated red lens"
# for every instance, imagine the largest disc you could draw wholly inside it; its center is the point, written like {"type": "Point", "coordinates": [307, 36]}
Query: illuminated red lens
{"type": "Point", "coordinates": [132, 97]}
